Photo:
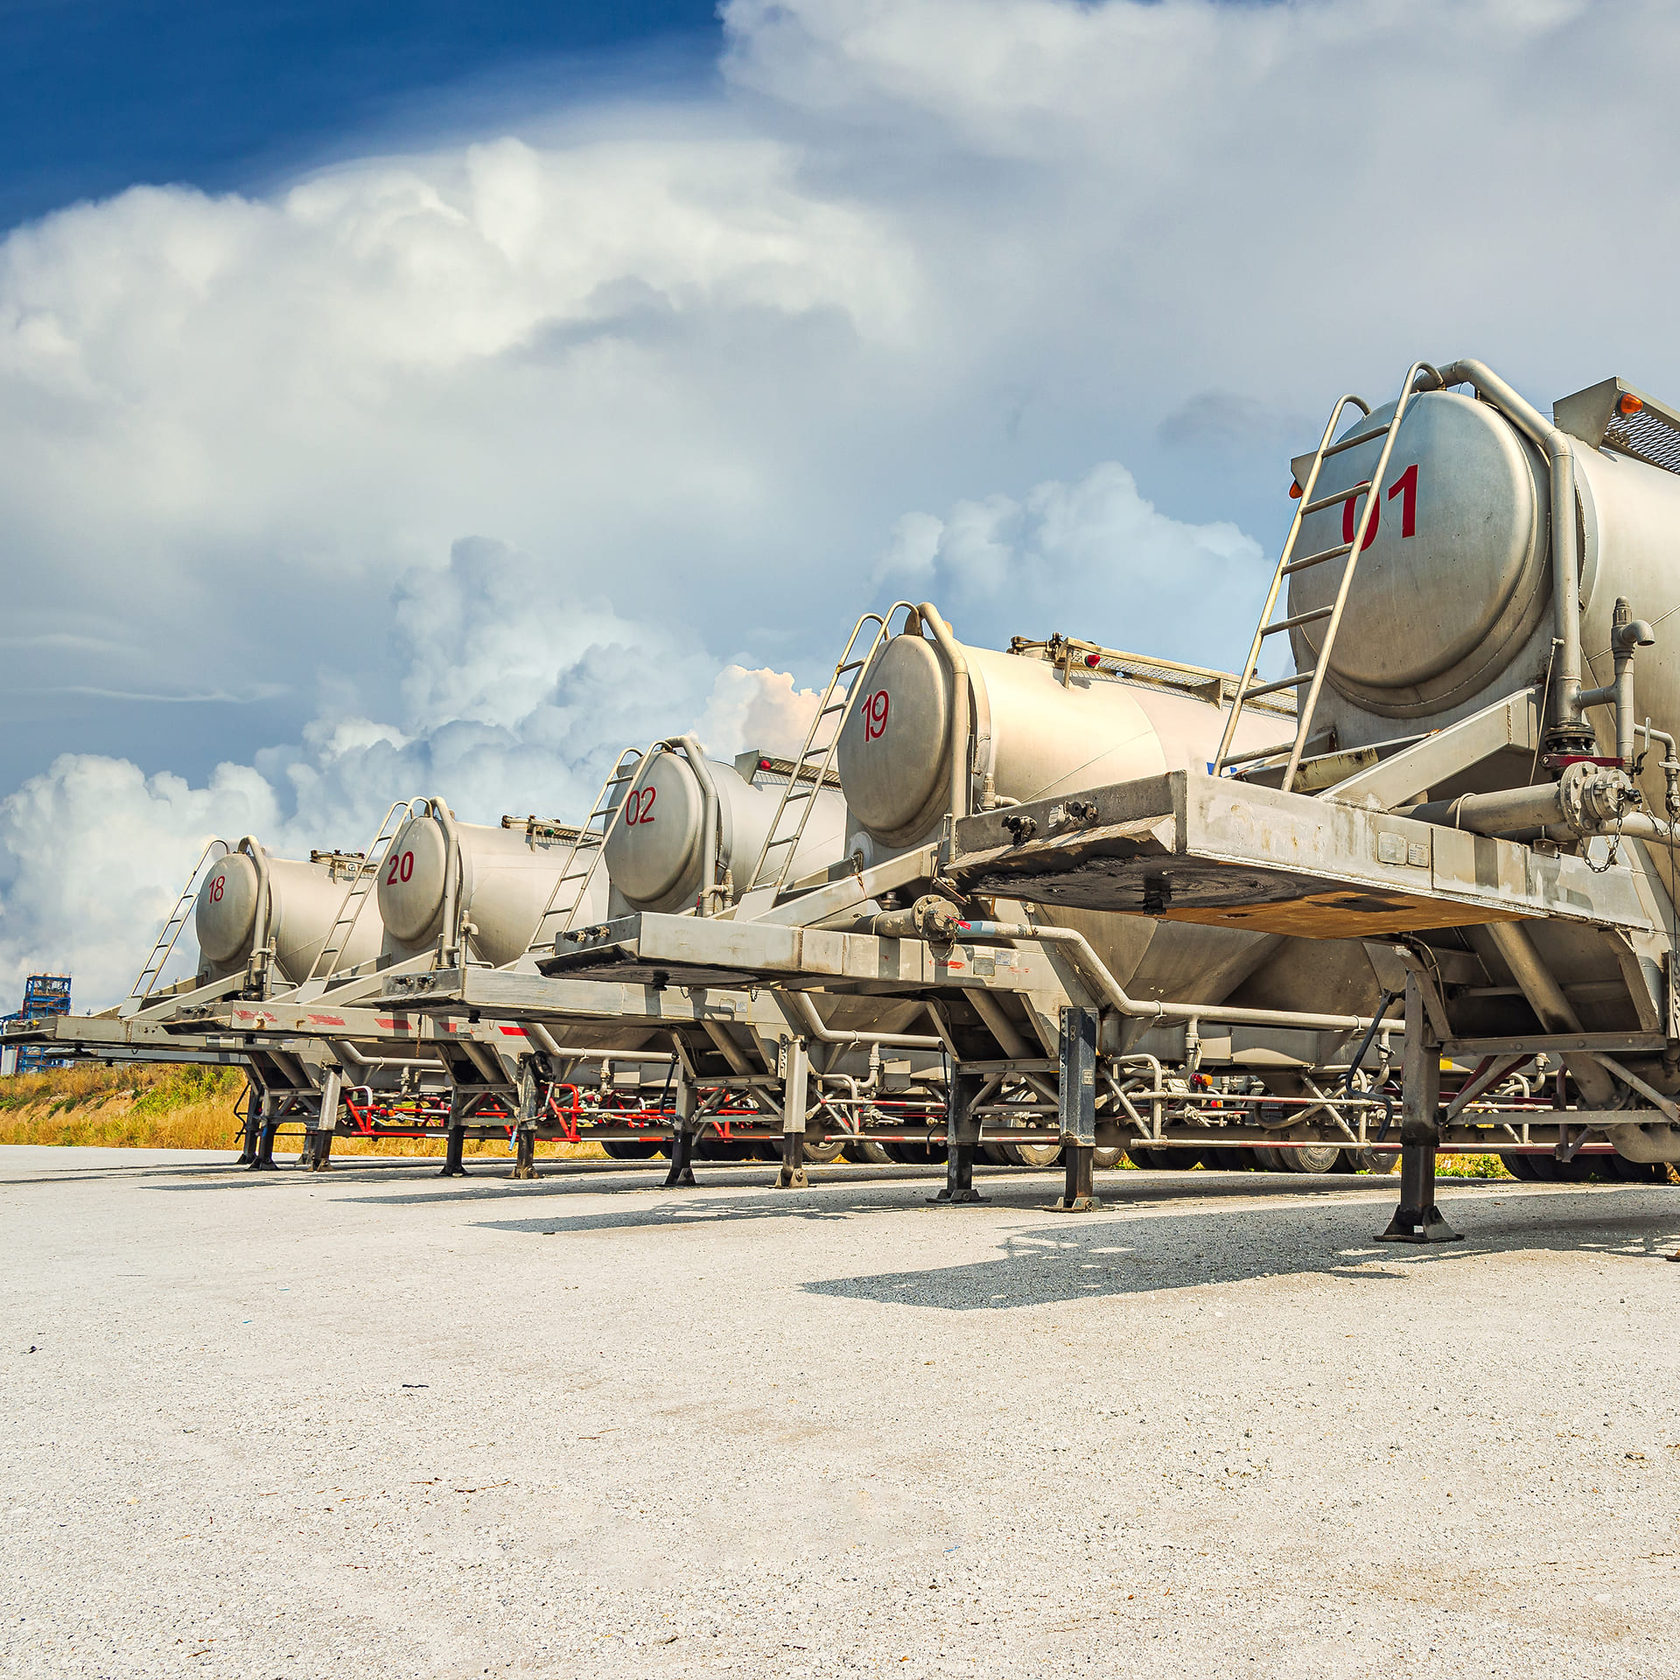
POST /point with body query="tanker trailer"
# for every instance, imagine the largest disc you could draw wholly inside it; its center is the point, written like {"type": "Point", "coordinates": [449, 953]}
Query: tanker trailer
{"type": "Point", "coordinates": [696, 835]}
{"type": "Point", "coordinates": [256, 911]}
{"type": "Point", "coordinates": [1047, 719]}
{"type": "Point", "coordinates": [469, 891]}
{"type": "Point", "coordinates": [693, 832]}
{"type": "Point", "coordinates": [1503, 557]}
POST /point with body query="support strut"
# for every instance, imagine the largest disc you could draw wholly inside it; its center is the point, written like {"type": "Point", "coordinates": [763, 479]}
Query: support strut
{"type": "Point", "coordinates": [682, 1137]}
{"type": "Point", "coordinates": [796, 1068]}
{"type": "Point", "coordinates": [1418, 1219]}
{"type": "Point", "coordinates": [270, 1124]}
{"type": "Point", "coordinates": [962, 1138]}
{"type": "Point", "coordinates": [251, 1131]}
{"type": "Point", "coordinates": [1076, 1102]}
{"type": "Point", "coordinates": [318, 1140]}
{"type": "Point", "coordinates": [455, 1139]}
{"type": "Point", "coordinates": [525, 1126]}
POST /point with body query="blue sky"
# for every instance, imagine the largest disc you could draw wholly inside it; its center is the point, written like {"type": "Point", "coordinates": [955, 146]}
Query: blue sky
{"type": "Point", "coordinates": [96, 95]}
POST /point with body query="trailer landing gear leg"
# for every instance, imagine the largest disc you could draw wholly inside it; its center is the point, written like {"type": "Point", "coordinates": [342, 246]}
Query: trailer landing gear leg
{"type": "Point", "coordinates": [962, 1139]}
{"type": "Point", "coordinates": [319, 1146]}
{"type": "Point", "coordinates": [1418, 1219]}
{"type": "Point", "coordinates": [1079, 1187]}
{"type": "Point", "coordinates": [682, 1138]}
{"type": "Point", "coordinates": [455, 1143]}
{"type": "Point", "coordinates": [264, 1161]}
{"type": "Point", "coordinates": [682, 1159]}
{"type": "Point", "coordinates": [791, 1175]}
{"type": "Point", "coordinates": [1077, 1102]}
{"type": "Point", "coordinates": [525, 1153]}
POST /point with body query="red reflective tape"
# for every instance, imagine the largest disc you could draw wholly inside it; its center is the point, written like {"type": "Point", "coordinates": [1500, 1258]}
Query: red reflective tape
{"type": "Point", "coordinates": [325, 1020]}
{"type": "Point", "coordinates": [514, 1032]}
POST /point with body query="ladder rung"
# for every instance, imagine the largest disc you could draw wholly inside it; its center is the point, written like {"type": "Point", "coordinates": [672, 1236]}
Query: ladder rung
{"type": "Point", "coordinates": [1299, 618]}
{"type": "Point", "coordinates": [838, 706]}
{"type": "Point", "coordinates": [1337, 499]}
{"type": "Point", "coordinates": [1295, 681]}
{"type": "Point", "coordinates": [1354, 442]}
{"type": "Point", "coordinates": [1254, 753]}
{"type": "Point", "coordinates": [1317, 559]}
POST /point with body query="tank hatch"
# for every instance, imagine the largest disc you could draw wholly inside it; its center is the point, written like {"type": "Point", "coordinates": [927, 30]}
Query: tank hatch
{"type": "Point", "coordinates": [1192, 848]}
{"type": "Point", "coordinates": [1615, 415]}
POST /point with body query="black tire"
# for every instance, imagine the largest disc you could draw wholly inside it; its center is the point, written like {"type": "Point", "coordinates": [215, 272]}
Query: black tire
{"type": "Point", "coordinates": [1380, 1163]}
{"type": "Point", "coordinates": [1036, 1154]}
{"type": "Point", "coordinates": [1228, 1159]}
{"type": "Point", "coordinates": [1522, 1167]}
{"type": "Point", "coordinates": [991, 1149]}
{"type": "Point", "coordinates": [866, 1152]}
{"type": "Point", "coordinates": [1316, 1158]}
{"type": "Point", "coordinates": [629, 1149]}
{"type": "Point", "coordinates": [1106, 1160]}
{"type": "Point", "coordinates": [825, 1152]}
{"type": "Point", "coordinates": [1636, 1172]}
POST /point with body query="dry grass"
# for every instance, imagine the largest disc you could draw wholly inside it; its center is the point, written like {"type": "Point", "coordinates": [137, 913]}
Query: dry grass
{"type": "Point", "coordinates": [151, 1106]}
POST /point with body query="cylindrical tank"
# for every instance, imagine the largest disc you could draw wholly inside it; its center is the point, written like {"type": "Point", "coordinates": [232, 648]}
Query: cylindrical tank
{"type": "Point", "coordinates": [656, 853]}
{"type": "Point", "coordinates": [1033, 736]}
{"type": "Point", "coordinates": [251, 899]}
{"type": "Point", "coordinates": [1451, 602]}
{"type": "Point", "coordinates": [500, 881]}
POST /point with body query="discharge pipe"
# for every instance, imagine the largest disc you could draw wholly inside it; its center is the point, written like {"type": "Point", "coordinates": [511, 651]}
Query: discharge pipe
{"type": "Point", "coordinates": [935, 919]}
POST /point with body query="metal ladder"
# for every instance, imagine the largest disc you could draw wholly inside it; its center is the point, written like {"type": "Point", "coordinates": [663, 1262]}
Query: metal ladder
{"type": "Point", "coordinates": [1313, 679]}
{"type": "Point", "coordinates": [811, 768]}
{"type": "Point", "coordinates": [142, 988]}
{"type": "Point", "coordinates": [355, 898]}
{"type": "Point", "coordinates": [562, 905]}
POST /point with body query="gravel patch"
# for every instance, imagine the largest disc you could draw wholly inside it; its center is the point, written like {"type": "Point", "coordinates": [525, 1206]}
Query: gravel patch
{"type": "Point", "coordinates": [386, 1424]}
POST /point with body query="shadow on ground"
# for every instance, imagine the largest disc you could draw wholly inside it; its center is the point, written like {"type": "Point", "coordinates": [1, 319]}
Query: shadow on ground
{"type": "Point", "coordinates": [1100, 1255]}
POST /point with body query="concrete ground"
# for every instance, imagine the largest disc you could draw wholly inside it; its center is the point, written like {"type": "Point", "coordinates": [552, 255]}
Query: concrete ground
{"type": "Point", "coordinates": [377, 1423]}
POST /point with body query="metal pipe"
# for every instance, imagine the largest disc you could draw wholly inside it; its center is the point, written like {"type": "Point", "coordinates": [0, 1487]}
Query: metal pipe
{"type": "Point", "coordinates": [1116, 997]}
{"type": "Point", "coordinates": [710, 821]}
{"type": "Point", "coordinates": [454, 867]}
{"type": "Point", "coordinates": [1566, 567]}
{"type": "Point", "coordinates": [812, 1023]}
{"type": "Point", "coordinates": [342, 1048]}
{"type": "Point", "coordinates": [960, 684]}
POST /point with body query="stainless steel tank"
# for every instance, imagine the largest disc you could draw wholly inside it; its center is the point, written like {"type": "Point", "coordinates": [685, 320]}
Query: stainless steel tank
{"type": "Point", "coordinates": [657, 853]}
{"type": "Point", "coordinates": [447, 881]}
{"type": "Point", "coordinates": [1036, 731]}
{"type": "Point", "coordinates": [1037, 728]}
{"type": "Point", "coordinates": [251, 901]}
{"type": "Point", "coordinates": [1451, 602]}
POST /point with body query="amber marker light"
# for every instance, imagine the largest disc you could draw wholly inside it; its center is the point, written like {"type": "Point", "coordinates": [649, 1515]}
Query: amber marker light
{"type": "Point", "coordinates": [1294, 491]}
{"type": "Point", "coordinates": [1630, 404]}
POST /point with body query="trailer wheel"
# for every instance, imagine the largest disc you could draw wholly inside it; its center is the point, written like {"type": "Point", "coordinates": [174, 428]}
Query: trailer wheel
{"type": "Point", "coordinates": [1315, 1158]}
{"type": "Point", "coordinates": [629, 1149]}
{"type": "Point", "coordinates": [1107, 1159]}
{"type": "Point", "coordinates": [1036, 1154]}
{"type": "Point", "coordinates": [866, 1152]}
{"type": "Point", "coordinates": [825, 1151]}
